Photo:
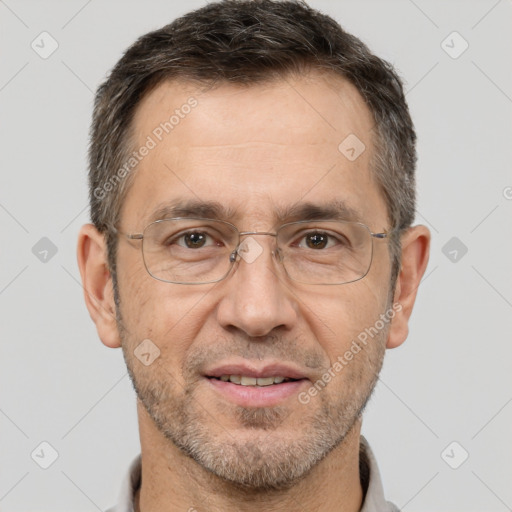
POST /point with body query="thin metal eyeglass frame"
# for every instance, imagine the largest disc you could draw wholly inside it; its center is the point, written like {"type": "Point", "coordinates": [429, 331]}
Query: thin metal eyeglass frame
{"type": "Point", "coordinates": [233, 255]}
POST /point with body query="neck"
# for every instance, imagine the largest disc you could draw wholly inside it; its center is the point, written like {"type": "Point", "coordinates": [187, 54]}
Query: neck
{"type": "Point", "coordinates": [172, 481]}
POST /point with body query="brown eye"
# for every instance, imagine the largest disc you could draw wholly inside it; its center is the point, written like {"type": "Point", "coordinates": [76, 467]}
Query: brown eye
{"type": "Point", "coordinates": [316, 241]}
{"type": "Point", "coordinates": [194, 240]}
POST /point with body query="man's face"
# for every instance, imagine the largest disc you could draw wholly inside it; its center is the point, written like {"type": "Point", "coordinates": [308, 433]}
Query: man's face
{"type": "Point", "coordinates": [255, 150]}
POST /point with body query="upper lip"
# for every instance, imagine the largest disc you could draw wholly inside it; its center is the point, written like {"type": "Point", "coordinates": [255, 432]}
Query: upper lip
{"type": "Point", "coordinates": [257, 371]}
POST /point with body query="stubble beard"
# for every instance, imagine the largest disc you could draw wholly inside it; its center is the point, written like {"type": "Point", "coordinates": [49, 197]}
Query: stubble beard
{"type": "Point", "coordinates": [268, 461]}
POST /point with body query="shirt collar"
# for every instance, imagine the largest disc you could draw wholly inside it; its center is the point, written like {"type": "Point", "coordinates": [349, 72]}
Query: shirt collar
{"type": "Point", "coordinates": [374, 500]}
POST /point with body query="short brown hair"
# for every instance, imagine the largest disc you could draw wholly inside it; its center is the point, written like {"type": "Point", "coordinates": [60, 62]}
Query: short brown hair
{"type": "Point", "coordinates": [246, 42]}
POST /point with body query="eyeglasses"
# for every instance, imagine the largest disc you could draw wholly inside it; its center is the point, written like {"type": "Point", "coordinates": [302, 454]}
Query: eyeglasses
{"type": "Point", "coordinates": [200, 251]}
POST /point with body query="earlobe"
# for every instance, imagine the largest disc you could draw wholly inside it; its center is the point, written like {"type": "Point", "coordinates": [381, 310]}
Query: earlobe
{"type": "Point", "coordinates": [97, 284]}
{"type": "Point", "coordinates": [415, 254]}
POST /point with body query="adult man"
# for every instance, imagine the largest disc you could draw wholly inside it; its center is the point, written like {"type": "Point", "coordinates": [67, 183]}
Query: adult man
{"type": "Point", "coordinates": [252, 194]}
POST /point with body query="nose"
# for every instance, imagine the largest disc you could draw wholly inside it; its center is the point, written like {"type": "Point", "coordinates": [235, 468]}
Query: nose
{"type": "Point", "coordinates": [256, 298]}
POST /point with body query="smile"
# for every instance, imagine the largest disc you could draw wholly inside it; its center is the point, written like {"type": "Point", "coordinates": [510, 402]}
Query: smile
{"type": "Point", "coordinates": [244, 380]}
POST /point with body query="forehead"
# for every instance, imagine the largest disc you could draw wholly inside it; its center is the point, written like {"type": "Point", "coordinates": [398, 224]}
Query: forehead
{"type": "Point", "coordinates": [258, 150]}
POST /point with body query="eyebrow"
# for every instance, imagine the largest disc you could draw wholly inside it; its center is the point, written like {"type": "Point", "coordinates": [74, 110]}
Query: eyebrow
{"type": "Point", "coordinates": [331, 210]}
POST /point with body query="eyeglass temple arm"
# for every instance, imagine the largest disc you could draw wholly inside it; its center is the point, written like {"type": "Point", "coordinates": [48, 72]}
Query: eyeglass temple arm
{"type": "Point", "coordinates": [130, 236]}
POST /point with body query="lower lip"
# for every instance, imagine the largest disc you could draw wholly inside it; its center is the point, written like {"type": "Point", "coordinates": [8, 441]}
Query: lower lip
{"type": "Point", "coordinates": [257, 396]}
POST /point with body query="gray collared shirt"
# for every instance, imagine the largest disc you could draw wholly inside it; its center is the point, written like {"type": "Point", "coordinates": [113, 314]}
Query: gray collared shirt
{"type": "Point", "coordinates": [374, 500]}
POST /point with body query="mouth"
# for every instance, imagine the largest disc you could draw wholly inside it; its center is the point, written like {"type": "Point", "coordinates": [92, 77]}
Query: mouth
{"type": "Point", "coordinates": [248, 385]}
{"type": "Point", "coordinates": [245, 380]}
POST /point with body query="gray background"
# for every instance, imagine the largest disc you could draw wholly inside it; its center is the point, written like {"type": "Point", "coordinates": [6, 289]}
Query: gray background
{"type": "Point", "coordinates": [451, 381]}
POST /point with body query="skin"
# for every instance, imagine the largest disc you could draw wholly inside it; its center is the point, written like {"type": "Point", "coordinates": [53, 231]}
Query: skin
{"type": "Point", "coordinates": [254, 149]}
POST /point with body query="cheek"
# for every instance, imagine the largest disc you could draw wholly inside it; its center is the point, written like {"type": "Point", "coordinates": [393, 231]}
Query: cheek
{"type": "Point", "coordinates": [134, 297]}
{"type": "Point", "coordinates": [169, 315]}
{"type": "Point", "coordinates": [339, 318]}
{"type": "Point", "coordinates": [345, 330]}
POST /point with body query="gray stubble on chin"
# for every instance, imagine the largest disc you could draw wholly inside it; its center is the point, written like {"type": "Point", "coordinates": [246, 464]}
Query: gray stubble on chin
{"type": "Point", "coordinates": [270, 461]}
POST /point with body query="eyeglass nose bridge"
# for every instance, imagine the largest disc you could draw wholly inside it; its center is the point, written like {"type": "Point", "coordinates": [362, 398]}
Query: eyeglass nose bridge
{"type": "Point", "coordinates": [276, 253]}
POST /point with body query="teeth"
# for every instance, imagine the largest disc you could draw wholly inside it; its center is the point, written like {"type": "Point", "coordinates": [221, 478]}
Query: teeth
{"type": "Point", "coordinates": [252, 381]}
{"type": "Point", "coordinates": [265, 381]}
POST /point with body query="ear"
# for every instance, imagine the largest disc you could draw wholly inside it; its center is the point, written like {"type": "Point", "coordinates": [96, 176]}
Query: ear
{"type": "Point", "coordinates": [415, 253]}
{"type": "Point", "coordinates": [97, 284]}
